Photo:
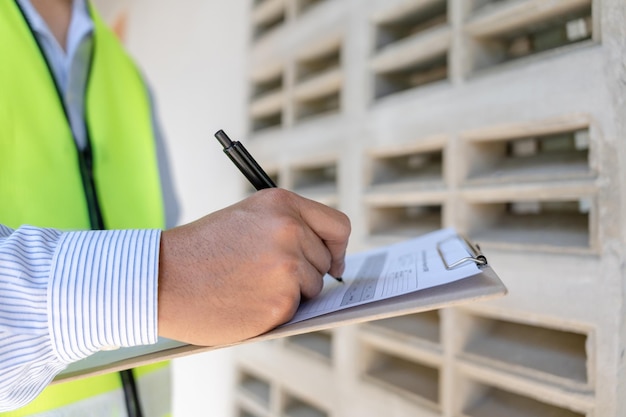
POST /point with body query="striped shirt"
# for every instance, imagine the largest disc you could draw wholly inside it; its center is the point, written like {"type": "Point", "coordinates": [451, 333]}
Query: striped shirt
{"type": "Point", "coordinates": [67, 295]}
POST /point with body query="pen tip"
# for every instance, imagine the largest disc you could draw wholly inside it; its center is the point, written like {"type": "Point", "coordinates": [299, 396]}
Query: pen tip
{"type": "Point", "coordinates": [339, 279]}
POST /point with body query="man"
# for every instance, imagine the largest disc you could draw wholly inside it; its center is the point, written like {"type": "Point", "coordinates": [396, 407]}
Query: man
{"type": "Point", "coordinates": [66, 295]}
{"type": "Point", "coordinates": [63, 111]}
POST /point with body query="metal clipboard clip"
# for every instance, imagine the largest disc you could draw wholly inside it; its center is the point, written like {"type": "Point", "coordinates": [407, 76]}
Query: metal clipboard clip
{"type": "Point", "coordinates": [473, 249]}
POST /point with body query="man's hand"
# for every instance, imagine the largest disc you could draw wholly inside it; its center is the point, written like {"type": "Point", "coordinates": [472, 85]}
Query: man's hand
{"type": "Point", "coordinates": [242, 271]}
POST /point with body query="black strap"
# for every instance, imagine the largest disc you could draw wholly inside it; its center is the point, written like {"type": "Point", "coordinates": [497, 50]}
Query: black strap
{"type": "Point", "coordinates": [131, 396]}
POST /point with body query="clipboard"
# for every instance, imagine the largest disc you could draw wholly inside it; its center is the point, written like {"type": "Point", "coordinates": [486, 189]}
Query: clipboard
{"type": "Point", "coordinates": [482, 286]}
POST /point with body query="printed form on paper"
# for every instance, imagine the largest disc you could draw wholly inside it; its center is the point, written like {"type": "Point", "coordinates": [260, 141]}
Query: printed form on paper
{"type": "Point", "coordinates": [391, 271]}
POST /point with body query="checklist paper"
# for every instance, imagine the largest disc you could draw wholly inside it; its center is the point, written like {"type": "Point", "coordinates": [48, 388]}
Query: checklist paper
{"type": "Point", "coordinates": [394, 270]}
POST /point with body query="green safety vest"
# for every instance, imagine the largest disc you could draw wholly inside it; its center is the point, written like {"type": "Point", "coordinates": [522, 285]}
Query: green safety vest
{"type": "Point", "coordinates": [44, 180]}
{"type": "Point", "coordinates": [40, 179]}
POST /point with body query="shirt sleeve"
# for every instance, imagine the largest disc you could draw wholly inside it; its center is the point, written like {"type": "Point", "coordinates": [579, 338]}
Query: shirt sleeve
{"type": "Point", "coordinates": [66, 295]}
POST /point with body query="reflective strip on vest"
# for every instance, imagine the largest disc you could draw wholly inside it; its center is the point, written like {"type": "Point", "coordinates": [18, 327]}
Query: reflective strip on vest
{"type": "Point", "coordinates": [40, 181]}
{"type": "Point", "coordinates": [102, 396]}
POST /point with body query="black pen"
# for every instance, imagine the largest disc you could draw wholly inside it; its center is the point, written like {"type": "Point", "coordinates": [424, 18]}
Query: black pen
{"type": "Point", "coordinates": [247, 165]}
{"type": "Point", "coordinates": [245, 162]}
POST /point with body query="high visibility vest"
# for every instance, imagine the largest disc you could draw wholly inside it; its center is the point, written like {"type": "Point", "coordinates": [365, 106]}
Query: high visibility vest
{"type": "Point", "coordinates": [102, 396]}
{"type": "Point", "coordinates": [40, 166]}
{"type": "Point", "coordinates": [45, 181]}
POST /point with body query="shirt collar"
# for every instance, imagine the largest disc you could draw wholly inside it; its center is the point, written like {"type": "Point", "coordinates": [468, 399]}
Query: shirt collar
{"type": "Point", "coordinates": [81, 25]}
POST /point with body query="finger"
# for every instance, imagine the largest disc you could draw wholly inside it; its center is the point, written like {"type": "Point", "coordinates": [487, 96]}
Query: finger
{"type": "Point", "coordinates": [315, 250]}
{"type": "Point", "coordinates": [332, 226]}
{"type": "Point", "coordinates": [311, 280]}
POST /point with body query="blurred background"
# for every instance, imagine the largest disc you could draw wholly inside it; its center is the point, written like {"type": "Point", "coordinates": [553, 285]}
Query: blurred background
{"type": "Point", "coordinates": [502, 118]}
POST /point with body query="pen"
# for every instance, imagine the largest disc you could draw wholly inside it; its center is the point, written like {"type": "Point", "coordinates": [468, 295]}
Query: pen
{"type": "Point", "coordinates": [245, 162]}
{"type": "Point", "coordinates": [247, 165]}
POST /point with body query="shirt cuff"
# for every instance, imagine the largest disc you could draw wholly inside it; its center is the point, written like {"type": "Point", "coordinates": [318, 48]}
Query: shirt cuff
{"type": "Point", "coordinates": [103, 291]}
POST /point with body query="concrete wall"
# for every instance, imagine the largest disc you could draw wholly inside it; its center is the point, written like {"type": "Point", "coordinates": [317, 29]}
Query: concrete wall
{"type": "Point", "coordinates": [504, 119]}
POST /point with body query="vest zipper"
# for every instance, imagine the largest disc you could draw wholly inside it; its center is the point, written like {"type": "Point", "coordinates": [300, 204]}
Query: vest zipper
{"type": "Point", "coordinates": [85, 162]}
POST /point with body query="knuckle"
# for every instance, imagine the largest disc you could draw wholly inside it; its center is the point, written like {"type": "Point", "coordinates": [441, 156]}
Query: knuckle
{"type": "Point", "coordinates": [289, 269]}
{"type": "Point", "coordinates": [288, 229]}
{"type": "Point", "coordinates": [345, 227]}
{"type": "Point", "coordinates": [285, 297]}
{"type": "Point", "coordinates": [283, 307]}
{"type": "Point", "coordinates": [278, 196]}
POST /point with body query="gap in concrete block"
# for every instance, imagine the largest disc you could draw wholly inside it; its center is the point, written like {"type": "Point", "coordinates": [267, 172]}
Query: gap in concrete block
{"type": "Point", "coordinates": [268, 85]}
{"type": "Point", "coordinates": [421, 326]}
{"type": "Point", "coordinates": [245, 413]}
{"type": "Point", "coordinates": [499, 403]}
{"type": "Point", "coordinates": [405, 220]}
{"type": "Point", "coordinates": [268, 23]}
{"type": "Point", "coordinates": [539, 350]}
{"type": "Point", "coordinates": [555, 156]}
{"type": "Point", "coordinates": [266, 122]}
{"type": "Point", "coordinates": [296, 407]}
{"type": "Point", "coordinates": [423, 167]}
{"type": "Point", "coordinates": [411, 23]}
{"type": "Point", "coordinates": [255, 387]}
{"type": "Point", "coordinates": [404, 376]}
{"type": "Point", "coordinates": [551, 223]}
{"type": "Point", "coordinates": [413, 76]}
{"type": "Point", "coordinates": [304, 6]}
{"type": "Point", "coordinates": [311, 67]}
{"type": "Point", "coordinates": [321, 177]}
{"type": "Point", "coordinates": [320, 344]}
{"type": "Point", "coordinates": [533, 37]}
{"type": "Point", "coordinates": [480, 6]}
{"type": "Point", "coordinates": [324, 105]}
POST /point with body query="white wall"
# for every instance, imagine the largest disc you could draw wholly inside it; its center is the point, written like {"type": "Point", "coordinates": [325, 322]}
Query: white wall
{"type": "Point", "coordinates": [193, 53]}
